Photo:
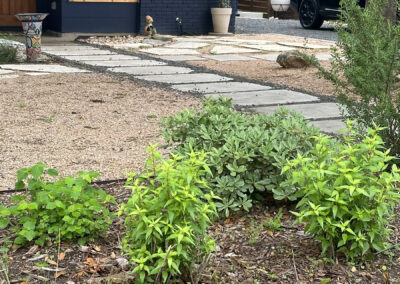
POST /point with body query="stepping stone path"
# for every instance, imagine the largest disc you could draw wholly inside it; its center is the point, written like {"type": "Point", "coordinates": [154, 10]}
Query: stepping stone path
{"type": "Point", "coordinates": [258, 98]}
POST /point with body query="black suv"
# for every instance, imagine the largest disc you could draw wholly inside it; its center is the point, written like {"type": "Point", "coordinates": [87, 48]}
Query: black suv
{"type": "Point", "coordinates": [312, 13]}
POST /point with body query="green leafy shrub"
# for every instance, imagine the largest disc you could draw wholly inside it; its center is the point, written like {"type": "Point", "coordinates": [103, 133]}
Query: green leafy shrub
{"type": "Point", "coordinates": [68, 208]}
{"type": "Point", "coordinates": [365, 67]}
{"type": "Point", "coordinates": [348, 193]}
{"type": "Point", "coordinates": [167, 217]}
{"type": "Point", "coordinates": [246, 152]}
{"type": "Point", "coordinates": [8, 53]}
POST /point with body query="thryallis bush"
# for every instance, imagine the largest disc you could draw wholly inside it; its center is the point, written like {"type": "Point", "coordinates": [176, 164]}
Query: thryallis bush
{"type": "Point", "coordinates": [246, 152]}
{"type": "Point", "coordinates": [365, 69]}
{"type": "Point", "coordinates": [167, 217]}
{"type": "Point", "coordinates": [348, 194]}
{"type": "Point", "coordinates": [69, 208]}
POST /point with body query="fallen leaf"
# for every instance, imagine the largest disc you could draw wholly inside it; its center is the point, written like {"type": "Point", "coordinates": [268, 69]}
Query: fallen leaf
{"type": "Point", "coordinates": [113, 256]}
{"type": "Point", "coordinates": [80, 273]}
{"type": "Point", "coordinates": [58, 274]}
{"type": "Point", "coordinates": [97, 248]}
{"type": "Point", "coordinates": [52, 262]}
{"type": "Point", "coordinates": [61, 256]}
{"type": "Point", "coordinates": [91, 261]}
{"type": "Point", "coordinates": [353, 269]}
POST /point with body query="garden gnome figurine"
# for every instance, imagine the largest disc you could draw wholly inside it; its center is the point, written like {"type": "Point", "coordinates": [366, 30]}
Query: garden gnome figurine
{"type": "Point", "coordinates": [149, 29]}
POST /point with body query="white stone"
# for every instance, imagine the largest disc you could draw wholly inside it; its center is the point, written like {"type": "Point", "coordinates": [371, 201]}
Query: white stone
{"type": "Point", "coordinates": [182, 58]}
{"type": "Point", "coordinates": [170, 51]}
{"type": "Point", "coordinates": [330, 126]}
{"type": "Point", "coordinates": [190, 45]}
{"type": "Point", "coordinates": [51, 68]}
{"type": "Point", "coordinates": [220, 87]}
{"type": "Point", "coordinates": [91, 51]}
{"type": "Point", "coordinates": [323, 56]}
{"type": "Point", "coordinates": [304, 45]}
{"type": "Point", "coordinates": [36, 73]}
{"type": "Point", "coordinates": [124, 63]}
{"type": "Point", "coordinates": [267, 97]}
{"type": "Point", "coordinates": [100, 57]}
{"type": "Point", "coordinates": [2, 72]}
{"type": "Point", "coordinates": [132, 45]}
{"type": "Point", "coordinates": [269, 47]}
{"type": "Point", "coordinates": [266, 56]}
{"type": "Point", "coordinates": [151, 70]}
{"type": "Point", "coordinates": [226, 49]}
{"type": "Point", "coordinates": [66, 47]}
{"type": "Point", "coordinates": [185, 78]}
{"type": "Point", "coordinates": [228, 57]}
{"type": "Point", "coordinates": [309, 111]}
{"type": "Point", "coordinates": [12, 76]}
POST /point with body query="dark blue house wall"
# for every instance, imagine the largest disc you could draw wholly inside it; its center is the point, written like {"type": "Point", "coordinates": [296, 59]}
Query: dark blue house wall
{"type": "Point", "coordinates": [102, 17]}
{"type": "Point", "coordinates": [195, 15]}
{"type": "Point", "coordinates": [92, 17]}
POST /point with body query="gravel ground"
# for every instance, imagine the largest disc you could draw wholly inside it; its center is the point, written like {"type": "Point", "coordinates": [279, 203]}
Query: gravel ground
{"type": "Point", "coordinates": [76, 122]}
{"type": "Point", "coordinates": [286, 27]}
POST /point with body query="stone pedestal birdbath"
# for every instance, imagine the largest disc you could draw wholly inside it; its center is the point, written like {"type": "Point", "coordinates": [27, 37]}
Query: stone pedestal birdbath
{"type": "Point", "coordinates": [32, 26]}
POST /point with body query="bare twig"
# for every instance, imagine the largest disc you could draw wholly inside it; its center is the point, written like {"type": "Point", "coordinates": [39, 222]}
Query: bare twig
{"type": "Point", "coordinates": [295, 269]}
{"type": "Point", "coordinates": [38, 277]}
{"type": "Point", "coordinates": [58, 252]}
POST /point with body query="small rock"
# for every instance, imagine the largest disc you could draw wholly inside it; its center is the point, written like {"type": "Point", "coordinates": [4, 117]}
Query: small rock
{"type": "Point", "coordinates": [70, 282]}
{"type": "Point", "coordinates": [122, 262]}
{"type": "Point", "coordinates": [292, 59]}
{"type": "Point", "coordinates": [84, 249]}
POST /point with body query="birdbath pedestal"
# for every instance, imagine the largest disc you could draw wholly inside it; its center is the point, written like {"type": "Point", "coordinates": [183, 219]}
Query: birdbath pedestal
{"type": "Point", "coordinates": [32, 26]}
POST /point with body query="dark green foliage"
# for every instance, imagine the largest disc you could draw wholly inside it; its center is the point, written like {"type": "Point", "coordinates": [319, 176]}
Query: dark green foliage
{"type": "Point", "coordinates": [8, 54]}
{"type": "Point", "coordinates": [348, 193]}
{"type": "Point", "coordinates": [167, 218]}
{"type": "Point", "coordinates": [69, 208]}
{"type": "Point", "coordinates": [246, 152]}
{"type": "Point", "coordinates": [365, 67]}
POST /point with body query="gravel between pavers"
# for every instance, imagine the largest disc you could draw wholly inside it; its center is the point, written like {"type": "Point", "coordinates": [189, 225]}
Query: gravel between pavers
{"type": "Point", "coordinates": [76, 122]}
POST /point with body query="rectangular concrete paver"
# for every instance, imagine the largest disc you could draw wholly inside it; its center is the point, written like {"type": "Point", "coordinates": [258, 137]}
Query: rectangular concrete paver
{"type": "Point", "coordinates": [267, 56]}
{"type": "Point", "coordinates": [170, 51]}
{"type": "Point", "coordinates": [220, 87]}
{"type": "Point", "coordinates": [66, 47]}
{"type": "Point", "coordinates": [227, 49]}
{"type": "Point", "coordinates": [150, 70]}
{"type": "Point", "coordinates": [309, 111]}
{"type": "Point", "coordinates": [99, 57]}
{"type": "Point", "coordinates": [51, 68]}
{"type": "Point", "coordinates": [268, 97]}
{"type": "Point", "coordinates": [124, 63]}
{"type": "Point", "coordinates": [330, 126]}
{"type": "Point", "coordinates": [191, 45]}
{"type": "Point", "coordinates": [182, 58]}
{"type": "Point", "coordinates": [228, 57]}
{"type": "Point", "coordinates": [304, 45]}
{"type": "Point", "coordinates": [269, 47]}
{"type": "Point", "coordinates": [185, 78]}
{"type": "Point", "coordinates": [92, 51]}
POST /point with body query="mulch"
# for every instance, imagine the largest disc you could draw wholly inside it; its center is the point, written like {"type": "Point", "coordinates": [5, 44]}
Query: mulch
{"type": "Point", "coordinates": [247, 252]}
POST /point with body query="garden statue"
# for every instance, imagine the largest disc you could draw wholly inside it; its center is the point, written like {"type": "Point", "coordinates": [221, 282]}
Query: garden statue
{"type": "Point", "coordinates": [149, 29]}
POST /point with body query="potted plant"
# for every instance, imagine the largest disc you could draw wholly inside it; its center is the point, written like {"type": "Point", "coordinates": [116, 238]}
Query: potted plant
{"type": "Point", "coordinates": [221, 16]}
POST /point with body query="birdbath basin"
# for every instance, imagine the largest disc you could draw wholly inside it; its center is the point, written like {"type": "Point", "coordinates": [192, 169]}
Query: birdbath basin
{"type": "Point", "coordinates": [32, 26]}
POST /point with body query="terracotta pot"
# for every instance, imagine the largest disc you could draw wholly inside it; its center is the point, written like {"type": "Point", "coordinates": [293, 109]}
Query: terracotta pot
{"type": "Point", "coordinates": [280, 5]}
{"type": "Point", "coordinates": [221, 18]}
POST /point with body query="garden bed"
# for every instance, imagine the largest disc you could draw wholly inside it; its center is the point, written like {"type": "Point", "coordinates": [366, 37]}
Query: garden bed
{"type": "Point", "coordinates": [248, 251]}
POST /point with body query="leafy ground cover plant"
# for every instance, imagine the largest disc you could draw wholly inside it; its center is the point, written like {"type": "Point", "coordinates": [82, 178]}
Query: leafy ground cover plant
{"type": "Point", "coordinates": [348, 194]}
{"type": "Point", "coordinates": [167, 217]}
{"type": "Point", "coordinates": [365, 69]}
{"type": "Point", "coordinates": [8, 53]}
{"type": "Point", "coordinates": [246, 152]}
{"type": "Point", "coordinates": [69, 208]}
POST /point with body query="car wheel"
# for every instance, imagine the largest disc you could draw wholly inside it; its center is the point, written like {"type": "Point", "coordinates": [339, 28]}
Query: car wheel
{"type": "Point", "coordinates": [309, 15]}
